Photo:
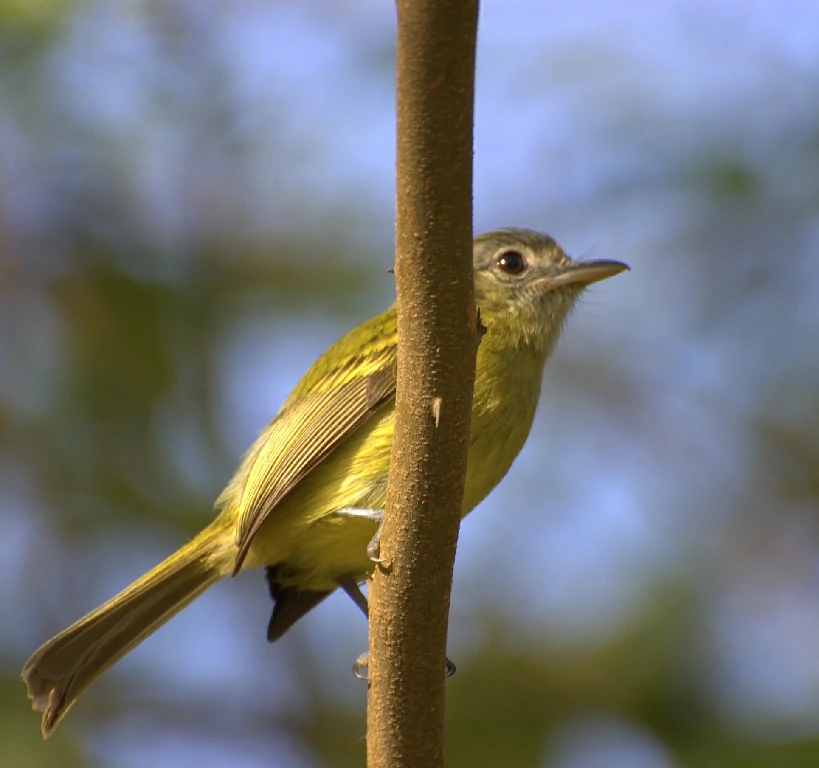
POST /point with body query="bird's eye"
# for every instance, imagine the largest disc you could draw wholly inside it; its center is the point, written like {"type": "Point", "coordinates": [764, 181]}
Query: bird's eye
{"type": "Point", "coordinates": [511, 262]}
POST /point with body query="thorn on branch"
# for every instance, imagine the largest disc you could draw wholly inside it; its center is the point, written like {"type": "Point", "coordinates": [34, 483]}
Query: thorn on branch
{"type": "Point", "coordinates": [481, 328]}
{"type": "Point", "coordinates": [476, 327]}
{"type": "Point", "coordinates": [473, 317]}
{"type": "Point", "coordinates": [437, 402]}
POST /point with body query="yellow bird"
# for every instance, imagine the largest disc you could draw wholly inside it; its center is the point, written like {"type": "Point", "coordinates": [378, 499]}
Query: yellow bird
{"type": "Point", "coordinates": [307, 498]}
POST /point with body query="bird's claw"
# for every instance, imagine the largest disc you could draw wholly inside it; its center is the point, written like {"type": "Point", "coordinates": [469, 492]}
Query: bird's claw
{"type": "Point", "coordinates": [374, 548]}
{"type": "Point", "coordinates": [363, 662]}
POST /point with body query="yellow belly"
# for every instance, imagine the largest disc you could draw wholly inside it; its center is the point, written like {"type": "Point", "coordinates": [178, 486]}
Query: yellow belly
{"type": "Point", "coordinates": [312, 546]}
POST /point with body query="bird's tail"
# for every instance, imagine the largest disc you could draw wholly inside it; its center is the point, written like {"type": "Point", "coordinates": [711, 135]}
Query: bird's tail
{"type": "Point", "coordinates": [61, 669]}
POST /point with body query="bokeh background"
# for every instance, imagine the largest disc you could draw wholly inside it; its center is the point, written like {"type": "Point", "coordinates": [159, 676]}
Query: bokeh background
{"type": "Point", "coordinates": [196, 197]}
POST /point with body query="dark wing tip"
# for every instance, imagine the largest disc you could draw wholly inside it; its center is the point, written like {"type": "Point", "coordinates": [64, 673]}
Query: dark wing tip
{"type": "Point", "coordinates": [46, 697]}
{"type": "Point", "coordinates": [240, 557]}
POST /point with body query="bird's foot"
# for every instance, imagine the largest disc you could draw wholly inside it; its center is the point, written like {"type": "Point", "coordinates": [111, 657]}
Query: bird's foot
{"type": "Point", "coordinates": [377, 516]}
{"type": "Point", "coordinates": [363, 662]}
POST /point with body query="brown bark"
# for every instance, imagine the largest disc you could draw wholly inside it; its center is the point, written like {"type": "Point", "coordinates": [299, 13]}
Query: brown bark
{"type": "Point", "coordinates": [437, 341]}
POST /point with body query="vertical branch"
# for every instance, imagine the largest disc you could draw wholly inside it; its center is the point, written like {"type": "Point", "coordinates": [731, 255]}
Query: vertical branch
{"type": "Point", "coordinates": [437, 342]}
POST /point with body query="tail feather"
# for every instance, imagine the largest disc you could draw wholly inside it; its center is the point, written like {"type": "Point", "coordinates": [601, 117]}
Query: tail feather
{"type": "Point", "coordinates": [61, 669]}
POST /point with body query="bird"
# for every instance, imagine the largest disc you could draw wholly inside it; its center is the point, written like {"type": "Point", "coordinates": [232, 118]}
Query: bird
{"type": "Point", "coordinates": [306, 500]}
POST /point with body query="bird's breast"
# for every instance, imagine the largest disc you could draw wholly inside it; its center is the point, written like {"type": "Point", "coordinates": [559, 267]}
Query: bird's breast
{"type": "Point", "coordinates": [506, 393]}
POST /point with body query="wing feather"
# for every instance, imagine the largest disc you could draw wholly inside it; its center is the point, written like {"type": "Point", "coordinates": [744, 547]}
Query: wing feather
{"type": "Point", "coordinates": [308, 429]}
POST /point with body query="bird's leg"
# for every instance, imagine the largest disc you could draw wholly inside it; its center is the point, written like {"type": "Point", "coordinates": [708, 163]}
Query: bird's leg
{"type": "Point", "coordinates": [350, 586]}
{"type": "Point", "coordinates": [377, 516]}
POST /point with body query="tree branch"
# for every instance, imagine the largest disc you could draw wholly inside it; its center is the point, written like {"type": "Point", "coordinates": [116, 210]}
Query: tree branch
{"type": "Point", "coordinates": [437, 342]}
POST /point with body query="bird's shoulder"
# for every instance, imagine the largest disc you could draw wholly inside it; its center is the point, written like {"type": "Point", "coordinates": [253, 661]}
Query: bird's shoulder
{"type": "Point", "coordinates": [367, 349]}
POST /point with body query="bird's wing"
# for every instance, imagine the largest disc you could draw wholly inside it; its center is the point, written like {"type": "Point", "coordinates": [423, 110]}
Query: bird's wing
{"type": "Point", "coordinates": [336, 396]}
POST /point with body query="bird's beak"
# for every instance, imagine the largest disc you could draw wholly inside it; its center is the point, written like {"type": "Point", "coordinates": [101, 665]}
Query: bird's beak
{"type": "Point", "coordinates": [588, 272]}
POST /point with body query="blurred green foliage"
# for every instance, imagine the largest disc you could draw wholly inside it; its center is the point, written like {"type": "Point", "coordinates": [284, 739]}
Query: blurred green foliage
{"type": "Point", "coordinates": [179, 237]}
